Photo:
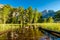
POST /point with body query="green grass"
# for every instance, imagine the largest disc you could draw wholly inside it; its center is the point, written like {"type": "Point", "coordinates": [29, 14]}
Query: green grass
{"type": "Point", "coordinates": [49, 26]}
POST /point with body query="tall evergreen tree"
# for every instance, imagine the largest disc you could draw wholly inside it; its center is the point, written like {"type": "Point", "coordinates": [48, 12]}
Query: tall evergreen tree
{"type": "Point", "coordinates": [50, 20]}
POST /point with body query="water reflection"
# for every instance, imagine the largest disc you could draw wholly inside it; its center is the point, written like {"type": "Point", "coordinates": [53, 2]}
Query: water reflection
{"type": "Point", "coordinates": [45, 38]}
{"type": "Point", "coordinates": [48, 38]}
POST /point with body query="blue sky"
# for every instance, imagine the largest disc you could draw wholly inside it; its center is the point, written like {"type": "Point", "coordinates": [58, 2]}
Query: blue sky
{"type": "Point", "coordinates": [39, 4]}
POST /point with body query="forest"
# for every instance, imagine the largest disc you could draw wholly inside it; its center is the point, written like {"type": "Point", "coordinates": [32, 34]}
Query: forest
{"type": "Point", "coordinates": [18, 15]}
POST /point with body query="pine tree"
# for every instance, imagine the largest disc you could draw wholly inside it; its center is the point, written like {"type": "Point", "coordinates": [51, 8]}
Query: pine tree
{"type": "Point", "coordinates": [50, 20]}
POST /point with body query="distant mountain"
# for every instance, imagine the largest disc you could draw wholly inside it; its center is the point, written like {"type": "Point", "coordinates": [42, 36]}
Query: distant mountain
{"type": "Point", "coordinates": [48, 13]}
{"type": "Point", "coordinates": [1, 5]}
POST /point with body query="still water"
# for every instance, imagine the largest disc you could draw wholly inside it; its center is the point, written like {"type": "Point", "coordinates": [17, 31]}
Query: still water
{"type": "Point", "coordinates": [58, 39]}
{"type": "Point", "coordinates": [49, 38]}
